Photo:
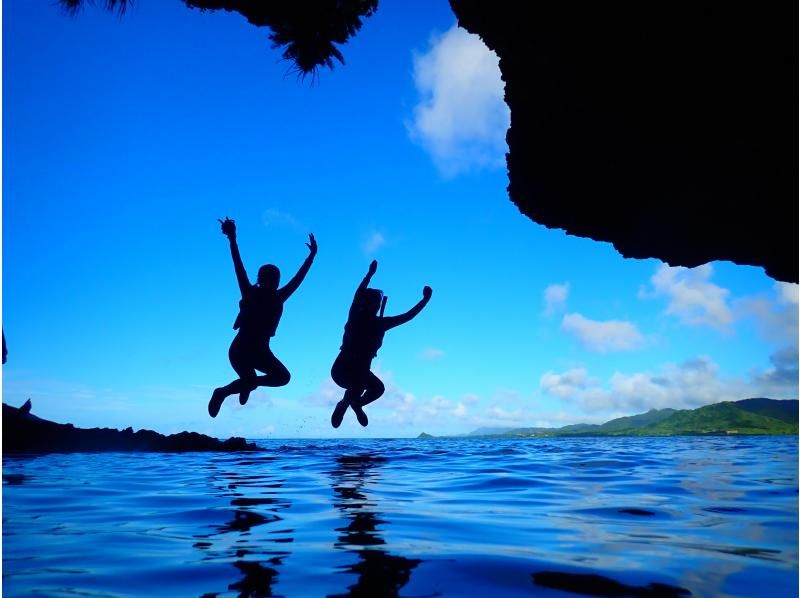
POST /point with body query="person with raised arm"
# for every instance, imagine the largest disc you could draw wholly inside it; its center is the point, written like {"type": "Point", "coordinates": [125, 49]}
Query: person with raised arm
{"type": "Point", "coordinates": [363, 336]}
{"type": "Point", "coordinates": [260, 310]}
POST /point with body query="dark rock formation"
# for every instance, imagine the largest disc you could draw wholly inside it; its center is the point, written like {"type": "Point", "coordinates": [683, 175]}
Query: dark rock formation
{"type": "Point", "coordinates": [669, 130]}
{"type": "Point", "coordinates": [26, 433]}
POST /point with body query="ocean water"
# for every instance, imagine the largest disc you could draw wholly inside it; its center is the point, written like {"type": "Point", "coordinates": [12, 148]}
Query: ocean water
{"type": "Point", "coordinates": [713, 516]}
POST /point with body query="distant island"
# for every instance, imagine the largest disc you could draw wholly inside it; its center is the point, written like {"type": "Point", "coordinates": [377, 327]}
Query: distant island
{"type": "Point", "coordinates": [748, 416]}
{"type": "Point", "coordinates": [23, 432]}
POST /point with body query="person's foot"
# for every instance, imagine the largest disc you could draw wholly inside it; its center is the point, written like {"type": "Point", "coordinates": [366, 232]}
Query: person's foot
{"type": "Point", "coordinates": [243, 396]}
{"type": "Point", "coordinates": [216, 402]}
{"type": "Point", "coordinates": [338, 413]}
{"type": "Point", "coordinates": [360, 415]}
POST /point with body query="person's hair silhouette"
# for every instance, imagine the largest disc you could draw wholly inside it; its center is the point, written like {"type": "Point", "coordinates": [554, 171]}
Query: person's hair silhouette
{"type": "Point", "coordinates": [260, 311]}
{"type": "Point", "coordinates": [363, 336]}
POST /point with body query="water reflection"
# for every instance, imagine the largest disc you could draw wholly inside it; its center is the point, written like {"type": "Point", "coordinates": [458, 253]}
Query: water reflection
{"type": "Point", "coordinates": [251, 540]}
{"type": "Point", "coordinates": [379, 572]}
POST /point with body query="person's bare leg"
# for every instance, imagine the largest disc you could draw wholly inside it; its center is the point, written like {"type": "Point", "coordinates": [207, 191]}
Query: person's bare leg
{"type": "Point", "coordinates": [374, 391]}
{"type": "Point", "coordinates": [350, 397]}
{"type": "Point", "coordinates": [360, 415]}
{"type": "Point", "coordinates": [237, 386]}
{"type": "Point", "coordinates": [275, 374]}
{"type": "Point", "coordinates": [241, 358]}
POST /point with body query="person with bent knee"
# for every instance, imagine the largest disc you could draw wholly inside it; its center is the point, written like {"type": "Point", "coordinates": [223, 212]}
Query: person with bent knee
{"type": "Point", "coordinates": [260, 310]}
{"type": "Point", "coordinates": [363, 336]}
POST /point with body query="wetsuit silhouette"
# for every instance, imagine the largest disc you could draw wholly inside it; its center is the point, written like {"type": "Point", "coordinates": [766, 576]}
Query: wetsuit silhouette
{"type": "Point", "coordinates": [363, 336]}
{"type": "Point", "coordinates": [260, 310]}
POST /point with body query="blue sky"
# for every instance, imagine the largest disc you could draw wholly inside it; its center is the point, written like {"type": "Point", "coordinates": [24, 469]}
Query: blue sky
{"type": "Point", "coordinates": [125, 139]}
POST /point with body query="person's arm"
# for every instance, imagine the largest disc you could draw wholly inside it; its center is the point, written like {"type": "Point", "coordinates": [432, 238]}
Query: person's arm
{"type": "Point", "coordinates": [392, 321]}
{"type": "Point", "coordinates": [373, 267]}
{"type": "Point", "coordinates": [292, 285]}
{"type": "Point", "coordinates": [229, 230]}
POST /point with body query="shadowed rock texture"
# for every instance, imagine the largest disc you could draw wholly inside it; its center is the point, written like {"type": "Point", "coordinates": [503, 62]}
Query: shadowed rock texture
{"type": "Point", "coordinates": [669, 130]}
{"type": "Point", "coordinates": [26, 433]}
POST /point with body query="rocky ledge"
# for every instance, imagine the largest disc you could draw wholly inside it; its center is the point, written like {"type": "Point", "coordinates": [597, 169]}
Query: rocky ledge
{"type": "Point", "coordinates": [26, 433]}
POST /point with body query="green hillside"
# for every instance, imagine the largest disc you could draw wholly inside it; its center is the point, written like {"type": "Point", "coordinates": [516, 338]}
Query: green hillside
{"type": "Point", "coordinates": [748, 416]}
{"type": "Point", "coordinates": [636, 421]}
{"type": "Point", "coordinates": [720, 418]}
{"type": "Point", "coordinates": [786, 411]}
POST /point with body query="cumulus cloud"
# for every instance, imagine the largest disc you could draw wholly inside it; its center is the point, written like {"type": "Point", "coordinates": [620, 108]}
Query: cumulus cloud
{"type": "Point", "coordinates": [327, 395]}
{"type": "Point", "coordinates": [372, 242]}
{"type": "Point", "coordinates": [787, 293]}
{"type": "Point", "coordinates": [406, 410]}
{"type": "Point", "coordinates": [471, 399]}
{"type": "Point", "coordinates": [555, 298]}
{"type": "Point", "coordinates": [693, 298]}
{"type": "Point", "coordinates": [687, 385]}
{"type": "Point", "coordinates": [602, 337]}
{"type": "Point", "coordinates": [568, 384]}
{"type": "Point", "coordinates": [397, 406]}
{"type": "Point", "coordinates": [776, 319]}
{"type": "Point", "coordinates": [780, 380]}
{"type": "Point", "coordinates": [461, 118]}
{"type": "Point", "coordinates": [431, 354]}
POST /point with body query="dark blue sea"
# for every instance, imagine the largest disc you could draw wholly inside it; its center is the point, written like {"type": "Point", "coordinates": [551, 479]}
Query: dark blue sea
{"type": "Point", "coordinates": [712, 516]}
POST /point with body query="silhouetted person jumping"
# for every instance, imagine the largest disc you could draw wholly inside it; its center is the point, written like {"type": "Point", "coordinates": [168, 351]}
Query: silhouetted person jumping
{"type": "Point", "coordinates": [260, 311]}
{"type": "Point", "coordinates": [363, 336]}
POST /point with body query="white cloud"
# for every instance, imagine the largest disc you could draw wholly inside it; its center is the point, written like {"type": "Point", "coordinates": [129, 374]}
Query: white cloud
{"type": "Point", "coordinates": [471, 399]}
{"type": "Point", "coordinates": [787, 293]}
{"type": "Point", "coordinates": [693, 298]}
{"type": "Point", "coordinates": [499, 414]}
{"type": "Point", "coordinates": [568, 384]}
{"type": "Point", "coordinates": [328, 394]}
{"type": "Point", "coordinates": [776, 319]}
{"type": "Point", "coordinates": [555, 298]}
{"type": "Point", "coordinates": [461, 118]}
{"type": "Point", "coordinates": [431, 354]}
{"type": "Point", "coordinates": [602, 337]}
{"type": "Point", "coordinates": [780, 380]}
{"type": "Point", "coordinates": [397, 407]}
{"type": "Point", "coordinates": [373, 241]}
{"type": "Point", "coordinates": [687, 385]}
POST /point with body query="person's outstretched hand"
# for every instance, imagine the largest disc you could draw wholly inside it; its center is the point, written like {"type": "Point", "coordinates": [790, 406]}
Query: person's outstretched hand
{"type": "Point", "coordinates": [228, 227]}
{"type": "Point", "coordinates": [312, 244]}
{"type": "Point", "coordinates": [427, 292]}
{"type": "Point", "coordinates": [373, 267]}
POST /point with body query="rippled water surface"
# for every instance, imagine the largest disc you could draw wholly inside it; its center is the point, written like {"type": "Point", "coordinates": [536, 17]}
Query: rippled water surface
{"type": "Point", "coordinates": [461, 517]}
